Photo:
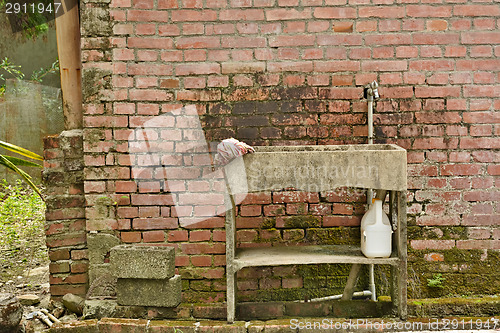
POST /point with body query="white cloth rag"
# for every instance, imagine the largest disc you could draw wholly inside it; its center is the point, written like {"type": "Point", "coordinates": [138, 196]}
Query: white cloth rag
{"type": "Point", "coordinates": [231, 148]}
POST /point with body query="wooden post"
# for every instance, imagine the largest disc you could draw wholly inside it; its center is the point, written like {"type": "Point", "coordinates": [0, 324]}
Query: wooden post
{"type": "Point", "coordinates": [401, 235]}
{"type": "Point", "coordinates": [68, 49]}
{"type": "Point", "coordinates": [351, 282]}
{"type": "Point", "coordinates": [230, 254]}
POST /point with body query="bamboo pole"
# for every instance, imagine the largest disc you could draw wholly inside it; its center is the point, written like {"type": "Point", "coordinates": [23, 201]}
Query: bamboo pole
{"type": "Point", "coordinates": [68, 49]}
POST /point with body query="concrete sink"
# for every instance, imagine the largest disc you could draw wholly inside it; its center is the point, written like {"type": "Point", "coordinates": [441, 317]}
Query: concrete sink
{"type": "Point", "coordinates": [319, 168]}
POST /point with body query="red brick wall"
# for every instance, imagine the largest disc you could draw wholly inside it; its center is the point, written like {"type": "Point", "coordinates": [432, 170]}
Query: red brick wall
{"type": "Point", "coordinates": [65, 215]}
{"type": "Point", "coordinates": [291, 72]}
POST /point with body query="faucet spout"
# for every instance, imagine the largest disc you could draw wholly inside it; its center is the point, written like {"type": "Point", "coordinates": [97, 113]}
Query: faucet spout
{"type": "Point", "coordinates": [373, 90]}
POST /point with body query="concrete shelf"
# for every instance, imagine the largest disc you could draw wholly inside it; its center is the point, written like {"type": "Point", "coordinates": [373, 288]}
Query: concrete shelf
{"type": "Point", "coordinates": [316, 169]}
{"type": "Point", "coordinates": [304, 255]}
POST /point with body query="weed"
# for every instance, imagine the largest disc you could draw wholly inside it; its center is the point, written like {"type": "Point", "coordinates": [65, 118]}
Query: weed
{"type": "Point", "coordinates": [436, 281]}
{"type": "Point", "coordinates": [22, 217]}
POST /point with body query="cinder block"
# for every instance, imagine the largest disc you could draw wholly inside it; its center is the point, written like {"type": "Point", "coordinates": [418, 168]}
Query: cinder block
{"type": "Point", "coordinates": [163, 293]}
{"type": "Point", "coordinates": [142, 262]}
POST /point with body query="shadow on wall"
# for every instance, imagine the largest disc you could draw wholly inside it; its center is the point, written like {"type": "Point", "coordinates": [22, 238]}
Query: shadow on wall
{"type": "Point", "coordinates": [172, 149]}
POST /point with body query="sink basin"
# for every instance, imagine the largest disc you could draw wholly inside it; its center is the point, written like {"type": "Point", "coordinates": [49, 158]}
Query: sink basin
{"type": "Point", "coordinates": [319, 168]}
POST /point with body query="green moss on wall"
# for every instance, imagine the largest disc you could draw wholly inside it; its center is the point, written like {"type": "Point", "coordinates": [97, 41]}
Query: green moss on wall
{"type": "Point", "coordinates": [336, 235]}
{"type": "Point", "coordinates": [268, 223]}
{"type": "Point", "coordinates": [93, 81]}
{"type": "Point", "coordinates": [302, 221]}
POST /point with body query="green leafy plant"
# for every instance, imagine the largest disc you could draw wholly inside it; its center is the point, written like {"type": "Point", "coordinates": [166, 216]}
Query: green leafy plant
{"type": "Point", "coordinates": [10, 68]}
{"type": "Point", "coordinates": [436, 281]}
{"type": "Point", "coordinates": [14, 71]}
{"type": "Point", "coordinates": [13, 163]}
{"type": "Point", "coordinates": [37, 76]}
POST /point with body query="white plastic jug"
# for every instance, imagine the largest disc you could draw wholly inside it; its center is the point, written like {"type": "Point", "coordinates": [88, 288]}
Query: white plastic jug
{"type": "Point", "coordinates": [376, 232]}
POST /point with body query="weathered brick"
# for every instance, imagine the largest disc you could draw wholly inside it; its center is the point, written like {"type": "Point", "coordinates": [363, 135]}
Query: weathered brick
{"type": "Point", "coordinates": [388, 39]}
{"type": "Point", "coordinates": [478, 244]}
{"type": "Point", "coordinates": [288, 14]}
{"type": "Point", "coordinates": [243, 42]}
{"type": "Point", "coordinates": [336, 66]}
{"type": "Point", "coordinates": [61, 290]}
{"type": "Point", "coordinates": [437, 117]}
{"type": "Point", "coordinates": [335, 12]}
{"type": "Point", "coordinates": [384, 65]}
{"type": "Point", "coordinates": [243, 67]}
{"type": "Point", "coordinates": [363, 26]}
{"type": "Point", "coordinates": [203, 248]}
{"type": "Point", "coordinates": [484, 37]}
{"type": "Point", "coordinates": [382, 12]}
{"type": "Point", "coordinates": [147, 16]}
{"type": "Point", "coordinates": [479, 220]}
{"type": "Point", "coordinates": [423, 92]}
{"type": "Point", "coordinates": [189, 15]}
{"type": "Point", "coordinates": [476, 10]}
{"type": "Point", "coordinates": [480, 64]}
{"type": "Point", "coordinates": [59, 254]}
{"type": "Point", "coordinates": [432, 244]}
{"type": "Point", "coordinates": [479, 143]}
{"type": "Point", "coordinates": [241, 15]}
{"type": "Point", "coordinates": [177, 236]}
{"type": "Point", "coordinates": [150, 43]}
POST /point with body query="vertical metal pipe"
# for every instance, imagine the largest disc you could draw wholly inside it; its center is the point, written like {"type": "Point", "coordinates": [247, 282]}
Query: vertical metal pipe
{"type": "Point", "coordinates": [370, 119]}
{"type": "Point", "coordinates": [369, 193]}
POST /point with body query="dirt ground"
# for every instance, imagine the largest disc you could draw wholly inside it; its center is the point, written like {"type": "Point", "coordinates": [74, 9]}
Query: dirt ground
{"type": "Point", "coordinates": [21, 275]}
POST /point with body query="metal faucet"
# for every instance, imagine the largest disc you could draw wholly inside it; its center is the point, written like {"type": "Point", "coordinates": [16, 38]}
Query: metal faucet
{"type": "Point", "coordinates": [373, 90]}
{"type": "Point", "coordinates": [371, 94]}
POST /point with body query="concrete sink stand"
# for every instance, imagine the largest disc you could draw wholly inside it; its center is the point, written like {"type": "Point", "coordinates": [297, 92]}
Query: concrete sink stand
{"type": "Point", "coordinates": [315, 169]}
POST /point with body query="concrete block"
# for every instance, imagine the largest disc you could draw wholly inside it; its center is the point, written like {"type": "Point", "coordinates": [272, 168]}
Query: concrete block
{"type": "Point", "coordinates": [163, 293]}
{"type": "Point", "coordinates": [142, 262]}
{"type": "Point", "coordinates": [102, 283]}
{"type": "Point", "coordinates": [99, 245]}
{"type": "Point", "coordinates": [99, 309]}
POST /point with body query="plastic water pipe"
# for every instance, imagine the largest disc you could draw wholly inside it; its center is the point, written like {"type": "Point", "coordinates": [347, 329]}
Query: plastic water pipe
{"type": "Point", "coordinates": [364, 293]}
{"type": "Point", "coordinates": [371, 94]}
{"type": "Point", "coordinates": [371, 286]}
